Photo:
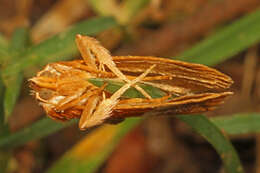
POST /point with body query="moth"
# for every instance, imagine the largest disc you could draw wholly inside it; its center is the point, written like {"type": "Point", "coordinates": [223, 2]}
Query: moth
{"type": "Point", "coordinates": [66, 89]}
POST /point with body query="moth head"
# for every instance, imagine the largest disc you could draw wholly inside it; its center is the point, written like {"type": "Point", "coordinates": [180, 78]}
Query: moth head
{"type": "Point", "coordinates": [59, 88]}
{"type": "Point", "coordinates": [43, 84]}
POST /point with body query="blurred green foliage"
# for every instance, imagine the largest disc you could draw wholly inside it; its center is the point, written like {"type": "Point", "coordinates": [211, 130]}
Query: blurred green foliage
{"type": "Point", "coordinates": [18, 43]}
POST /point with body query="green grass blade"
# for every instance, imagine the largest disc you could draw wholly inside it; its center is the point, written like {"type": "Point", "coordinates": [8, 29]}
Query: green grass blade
{"type": "Point", "coordinates": [239, 123]}
{"type": "Point", "coordinates": [214, 136]}
{"type": "Point", "coordinates": [37, 130]}
{"type": "Point", "coordinates": [18, 43]}
{"type": "Point", "coordinates": [59, 47]}
{"type": "Point", "coordinates": [131, 92]}
{"type": "Point", "coordinates": [227, 42]}
{"type": "Point", "coordinates": [11, 94]}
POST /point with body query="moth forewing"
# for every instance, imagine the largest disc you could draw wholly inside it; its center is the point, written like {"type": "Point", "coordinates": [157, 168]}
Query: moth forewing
{"type": "Point", "coordinates": [106, 106]}
{"type": "Point", "coordinates": [189, 77]}
{"type": "Point", "coordinates": [189, 104]}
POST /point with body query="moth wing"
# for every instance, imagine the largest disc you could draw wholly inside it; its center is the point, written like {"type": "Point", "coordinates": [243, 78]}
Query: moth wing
{"type": "Point", "coordinates": [191, 104]}
{"type": "Point", "coordinates": [195, 78]}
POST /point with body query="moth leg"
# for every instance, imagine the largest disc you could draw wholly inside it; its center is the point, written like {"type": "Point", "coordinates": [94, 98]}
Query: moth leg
{"type": "Point", "coordinates": [90, 107]}
{"type": "Point", "coordinates": [91, 50]}
{"type": "Point", "coordinates": [101, 67]}
{"type": "Point", "coordinates": [73, 100]}
{"type": "Point", "coordinates": [53, 115]}
{"type": "Point", "coordinates": [98, 107]}
{"type": "Point", "coordinates": [88, 111]}
{"type": "Point", "coordinates": [44, 82]}
{"type": "Point", "coordinates": [66, 104]}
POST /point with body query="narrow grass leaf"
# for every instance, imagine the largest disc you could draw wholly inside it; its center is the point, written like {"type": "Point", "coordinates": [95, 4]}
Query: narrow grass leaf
{"type": "Point", "coordinates": [11, 94]}
{"type": "Point", "coordinates": [227, 42]}
{"type": "Point", "coordinates": [237, 124]}
{"type": "Point", "coordinates": [131, 92]}
{"type": "Point", "coordinates": [37, 130]}
{"type": "Point", "coordinates": [214, 136]}
{"type": "Point", "coordinates": [13, 83]}
{"type": "Point", "coordinates": [19, 41]}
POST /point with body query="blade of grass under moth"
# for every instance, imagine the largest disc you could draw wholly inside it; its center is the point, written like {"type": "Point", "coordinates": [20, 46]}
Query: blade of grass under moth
{"type": "Point", "coordinates": [239, 123]}
{"type": "Point", "coordinates": [91, 151]}
{"type": "Point", "coordinates": [214, 136]}
{"type": "Point", "coordinates": [114, 86]}
{"type": "Point", "coordinates": [37, 130]}
{"type": "Point", "coordinates": [59, 47]}
{"type": "Point", "coordinates": [18, 43]}
{"type": "Point", "coordinates": [227, 42]}
{"type": "Point", "coordinates": [11, 94]}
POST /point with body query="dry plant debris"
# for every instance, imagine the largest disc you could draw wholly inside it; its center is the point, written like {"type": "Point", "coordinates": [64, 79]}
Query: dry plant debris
{"type": "Point", "coordinates": [64, 90]}
{"type": "Point", "coordinates": [61, 15]}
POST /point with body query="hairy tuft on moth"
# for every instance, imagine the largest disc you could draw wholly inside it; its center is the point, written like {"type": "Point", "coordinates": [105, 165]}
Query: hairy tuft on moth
{"type": "Point", "coordinates": [64, 91]}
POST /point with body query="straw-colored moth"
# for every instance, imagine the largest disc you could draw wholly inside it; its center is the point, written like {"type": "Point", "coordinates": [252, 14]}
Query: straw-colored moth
{"type": "Point", "coordinates": [65, 90]}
